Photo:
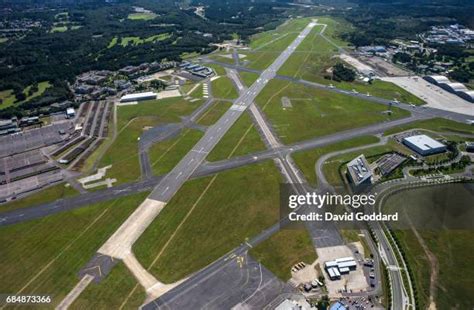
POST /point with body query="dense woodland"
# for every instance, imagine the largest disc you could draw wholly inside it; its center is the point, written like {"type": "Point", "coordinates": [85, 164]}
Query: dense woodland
{"type": "Point", "coordinates": [58, 57]}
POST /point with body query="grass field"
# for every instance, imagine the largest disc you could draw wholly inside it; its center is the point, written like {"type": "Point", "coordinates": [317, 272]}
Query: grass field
{"type": "Point", "coordinates": [241, 139]}
{"type": "Point", "coordinates": [165, 155]}
{"type": "Point", "coordinates": [248, 78]}
{"type": "Point", "coordinates": [317, 112]}
{"type": "Point", "coordinates": [266, 46]}
{"type": "Point", "coordinates": [215, 112]}
{"type": "Point", "coordinates": [306, 160]}
{"type": "Point", "coordinates": [141, 16]}
{"type": "Point", "coordinates": [218, 69]}
{"type": "Point", "coordinates": [435, 124]}
{"type": "Point", "coordinates": [210, 217]}
{"type": "Point", "coordinates": [125, 41]}
{"type": "Point", "coordinates": [111, 293]}
{"type": "Point", "coordinates": [132, 120]}
{"type": "Point", "coordinates": [44, 256]}
{"type": "Point", "coordinates": [453, 249]}
{"type": "Point", "coordinates": [283, 250]}
{"type": "Point", "coordinates": [315, 55]}
{"type": "Point", "coordinates": [9, 99]}
{"type": "Point", "coordinates": [47, 195]}
{"type": "Point", "coordinates": [223, 88]}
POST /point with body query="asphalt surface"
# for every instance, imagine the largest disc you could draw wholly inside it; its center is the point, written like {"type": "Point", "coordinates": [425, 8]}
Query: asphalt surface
{"type": "Point", "coordinates": [426, 112]}
{"type": "Point", "coordinates": [239, 280]}
{"type": "Point", "coordinates": [171, 183]}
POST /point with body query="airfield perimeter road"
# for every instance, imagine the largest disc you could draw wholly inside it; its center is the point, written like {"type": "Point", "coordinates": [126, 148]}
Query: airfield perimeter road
{"type": "Point", "coordinates": [170, 184]}
{"type": "Point", "coordinates": [426, 111]}
{"type": "Point", "coordinates": [38, 211]}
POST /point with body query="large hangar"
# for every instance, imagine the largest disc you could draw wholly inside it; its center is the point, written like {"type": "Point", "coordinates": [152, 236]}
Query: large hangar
{"type": "Point", "coordinates": [424, 145]}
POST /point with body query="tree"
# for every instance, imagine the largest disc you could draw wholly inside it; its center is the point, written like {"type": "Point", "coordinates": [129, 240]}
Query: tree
{"type": "Point", "coordinates": [343, 73]}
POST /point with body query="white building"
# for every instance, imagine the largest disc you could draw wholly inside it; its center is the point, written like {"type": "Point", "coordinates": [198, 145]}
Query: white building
{"type": "Point", "coordinates": [424, 145]}
{"type": "Point", "coordinates": [70, 112]}
{"type": "Point", "coordinates": [359, 171]}
{"type": "Point", "coordinates": [138, 97]}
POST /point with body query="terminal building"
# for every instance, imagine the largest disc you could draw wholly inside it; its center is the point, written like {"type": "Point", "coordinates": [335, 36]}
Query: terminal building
{"type": "Point", "coordinates": [359, 171]}
{"type": "Point", "coordinates": [138, 97]}
{"type": "Point", "coordinates": [424, 145]}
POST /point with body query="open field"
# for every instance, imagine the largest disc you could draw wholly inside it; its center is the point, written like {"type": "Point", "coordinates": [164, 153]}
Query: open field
{"type": "Point", "coordinates": [132, 120]}
{"type": "Point", "coordinates": [453, 249]}
{"type": "Point", "coordinates": [260, 40]}
{"type": "Point", "coordinates": [315, 55]}
{"type": "Point", "coordinates": [268, 45]}
{"type": "Point", "coordinates": [248, 78]}
{"type": "Point", "coordinates": [241, 139]}
{"type": "Point", "coordinates": [165, 155]}
{"type": "Point", "coordinates": [125, 41]}
{"type": "Point", "coordinates": [44, 256]}
{"type": "Point", "coordinates": [214, 219]}
{"type": "Point", "coordinates": [435, 124]}
{"type": "Point", "coordinates": [306, 160]}
{"type": "Point", "coordinates": [317, 112]}
{"type": "Point", "coordinates": [213, 114]}
{"type": "Point", "coordinates": [9, 99]}
{"type": "Point", "coordinates": [218, 69]}
{"type": "Point", "coordinates": [111, 292]}
{"type": "Point", "coordinates": [141, 16]}
{"type": "Point", "coordinates": [223, 88]}
{"type": "Point", "coordinates": [283, 250]}
{"type": "Point", "coordinates": [48, 195]}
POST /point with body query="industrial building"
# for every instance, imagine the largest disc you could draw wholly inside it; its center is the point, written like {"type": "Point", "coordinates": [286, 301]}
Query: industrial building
{"type": "Point", "coordinates": [424, 145]}
{"type": "Point", "coordinates": [455, 88]}
{"type": "Point", "coordinates": [359, 171]}
{"type": "Point", "coordinates": [138, 97]}
{"type": "Point", "coordinates": [340, 266]}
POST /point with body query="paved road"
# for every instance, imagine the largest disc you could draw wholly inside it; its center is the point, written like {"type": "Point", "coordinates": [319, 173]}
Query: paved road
{"type": "Point", "coordinates": [171, 183]}
{"type": "Point", "coordinates": [427, 112]}
{"type": "Point", "coordinates": [205, 169]}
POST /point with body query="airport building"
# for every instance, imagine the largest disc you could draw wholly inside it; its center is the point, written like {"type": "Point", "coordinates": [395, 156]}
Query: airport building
{"type": "Point", "coordinates": [340, 266]}
{"type": "Point", "coordinates": [424, 145]}
{"type": "Point", "coordinates": [359, 171]}
{"type": "Point", "coordinates": [138, 97]}
{"type": "Point", "coordinates": [8, 126]}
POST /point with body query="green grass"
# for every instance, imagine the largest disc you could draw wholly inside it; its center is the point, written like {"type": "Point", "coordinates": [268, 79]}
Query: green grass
{"type": "Point", "coordinates": [315, 55]}
{"type": "Point", "coordinates": [9, 99]}
{"type": "Point", "coordinates": [306, 160]}
{"type": "Point", "coordinates": [331, 167]}
{"type": "Point", "coordinates": [435, 124]}
{"type": "Point", "coordinates": [167, 154]}
{"type": "Point", "coordinates": [283, 250]}
{"type": "Point", "coordinates": [241, 139]}
{"type": "Point", "coordinates": [223, 88]}
{"type": "Point", "coordinates": [453, 248]}
{"type": "Point", "coordinates": [113, 42]}
{"type": "Point", "coordinates": [218, 220]}
{"type": "Point", "coordinates": [132, 121]}
{"type": "Point", "coordinates": [213, 114]}
{"type": "Point", "coordinates": [218, 69]}
{"type": "Point", "coordinates": [141, 16]}
{"type": "Point", "coordinates": [3, 40]}
{"type": "Point", "coordinates": [134, 40]}
{"type": "Point", "coordinates": [58, 29]}
{"type": "Point", "coordinates": [317, 112]}
{"type": "Point", "coordinates": [248, 78]}
{"type": "Point", "coordinates": [262, 39]}
{"type": "Point", "coordinates": [112, 292]}
{"type": "Point", "coordinates": [44, 256]}
{"type": "Point", "coordinates": [49, 194]}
